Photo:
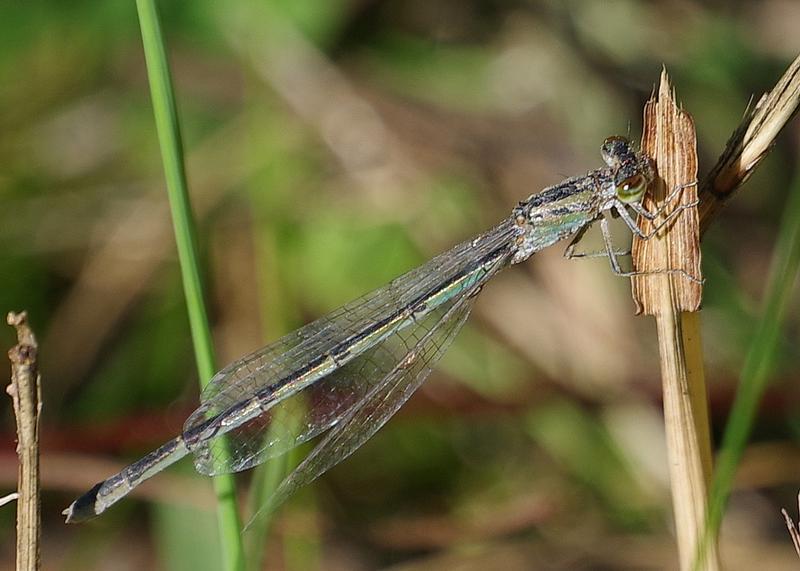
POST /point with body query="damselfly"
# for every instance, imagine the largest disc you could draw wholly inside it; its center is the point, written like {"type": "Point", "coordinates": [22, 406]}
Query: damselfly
{"type": "Point", "coordinates": [353, 369]}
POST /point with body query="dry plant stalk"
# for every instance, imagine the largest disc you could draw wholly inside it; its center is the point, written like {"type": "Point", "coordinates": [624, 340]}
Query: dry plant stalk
{"type": "Point", "coordinates": [669, 138]}
{"type": "Point", "coordinates": [25, 391]}
{"type": "Point", "coordinates": [790, 525]}
{"type": "Point", "coordinates": [750, 143]}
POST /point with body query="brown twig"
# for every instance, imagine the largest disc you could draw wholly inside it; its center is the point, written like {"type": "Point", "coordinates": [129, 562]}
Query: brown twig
{"type": "Point", "coordinates": [673, 298]}
{"type": "Point", "coordinates": [749, 143]}
{"type": "Point", "coordinates": [669, 138]}
{"type": "Point", "coordinates": [25, 391]}
{"type": "Point", "coordinates": [681, 357]}
{"type": "Point", "coordinates": [790, 525]}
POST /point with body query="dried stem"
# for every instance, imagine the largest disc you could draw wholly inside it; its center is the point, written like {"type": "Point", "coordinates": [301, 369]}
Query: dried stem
{"type": "Point", "coordinates": [669, 138]}
{"type": "Point", "coordinates": [685, 402]}
{"type": "Point", "coordinates": [750, 143]}
{"type": "Point", "coordinates": [25, 391]}
{"type": "Point", "coordinates": [790, 525]}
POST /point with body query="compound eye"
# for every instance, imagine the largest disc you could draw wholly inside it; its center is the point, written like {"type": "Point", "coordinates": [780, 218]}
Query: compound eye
{"type": "Point", "coordinates": [632, 188]}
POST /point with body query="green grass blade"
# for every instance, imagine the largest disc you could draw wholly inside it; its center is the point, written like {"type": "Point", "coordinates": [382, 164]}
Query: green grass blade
{"type": "Point", "coordinates": [169, 137]}
{"type": "Point", "coordinates": [759, 360]}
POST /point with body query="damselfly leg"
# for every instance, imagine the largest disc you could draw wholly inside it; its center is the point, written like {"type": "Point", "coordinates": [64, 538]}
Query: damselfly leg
{"type": "Point", "coordinates": [652, 215]}
{"type": "Point", "coordinates": [571, 254]}
{"type": "Point", "coordinates": [620, 209]}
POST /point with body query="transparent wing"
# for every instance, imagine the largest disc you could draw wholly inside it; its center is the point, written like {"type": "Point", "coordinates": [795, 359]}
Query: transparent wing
{"type": "Point", "coordinates": [272, 374]}
{"type": "Point", "coordinates": [298, 417]}
{"type": "Point", "coordinates": [263, 367]}
{"type": "Point", "coordinates": [305, 413]}
{"type": "Point", "coordinates": [406, 361]}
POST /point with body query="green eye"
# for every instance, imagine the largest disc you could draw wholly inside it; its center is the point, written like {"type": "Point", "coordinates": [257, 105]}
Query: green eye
{"type": "Point", "coordinates": [631, 189]}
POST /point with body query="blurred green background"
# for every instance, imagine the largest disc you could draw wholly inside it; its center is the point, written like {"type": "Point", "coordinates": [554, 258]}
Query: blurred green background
{"type": "Point", "coordinates": [332, 145]}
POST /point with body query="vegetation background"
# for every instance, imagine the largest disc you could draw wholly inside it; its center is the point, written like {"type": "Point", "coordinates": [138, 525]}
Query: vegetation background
{"type": "Point", "coordinates": [332, 145]}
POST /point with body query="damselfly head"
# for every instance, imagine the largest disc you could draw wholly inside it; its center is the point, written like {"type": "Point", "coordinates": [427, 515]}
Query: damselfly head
{"type": "Point", "coordinates": [631, 170]}
{"type": "Point", "coordinates": [616, 150]}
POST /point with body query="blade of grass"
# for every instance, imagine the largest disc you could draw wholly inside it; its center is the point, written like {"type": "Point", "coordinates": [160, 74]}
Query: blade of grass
{"type": "Point", "coordinates": [169, 137]}
{"type": "Point", "coordinates": [758, 363]}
